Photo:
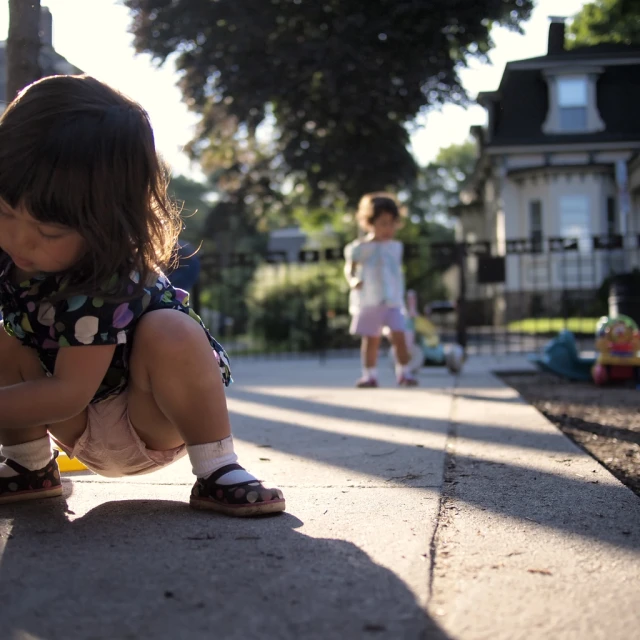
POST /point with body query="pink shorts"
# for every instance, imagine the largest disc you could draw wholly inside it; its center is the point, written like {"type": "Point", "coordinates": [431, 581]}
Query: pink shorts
{"type": "Point", "coordinates": [370, 321]}
{"type": "Point", "coordinates": [110, 446]}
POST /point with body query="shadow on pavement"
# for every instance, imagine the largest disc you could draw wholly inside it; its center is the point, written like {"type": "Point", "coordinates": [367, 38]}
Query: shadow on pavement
{"type": "Point", "coordinates": [556, 501]}
{"type": "Point", "coordinates": [140, 569]}
{"type": "Point", "coordinates": [378, 417]}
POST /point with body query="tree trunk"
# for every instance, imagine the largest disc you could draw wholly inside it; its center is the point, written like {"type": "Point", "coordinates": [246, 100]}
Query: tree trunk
{"type": "Point", "coordinates": [23, 45]}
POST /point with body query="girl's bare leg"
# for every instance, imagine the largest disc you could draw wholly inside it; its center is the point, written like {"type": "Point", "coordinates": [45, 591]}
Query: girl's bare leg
{"type": "Point", "coordinates": [403, 358]}
{"type": "Point", "coordinates": [399, 340]}
{"type": "Point", "coordinates": [20, 364]}
{"type": "Point", "coordinates": [176, 396]}
{"type": "Point", "coordinates": [27, 450]}
{"type": "Point", "coordinates": [369, 351]}
{"type": "Point", "coordinates": [369, 356]}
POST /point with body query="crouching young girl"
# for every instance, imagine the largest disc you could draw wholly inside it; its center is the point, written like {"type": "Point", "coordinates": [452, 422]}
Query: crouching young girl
{"type": "Point", "coordinates": [99, 352]}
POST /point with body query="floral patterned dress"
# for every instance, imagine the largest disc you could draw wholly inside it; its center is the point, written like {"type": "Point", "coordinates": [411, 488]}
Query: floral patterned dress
{"type": "Point", "coordinates": [85, 320]}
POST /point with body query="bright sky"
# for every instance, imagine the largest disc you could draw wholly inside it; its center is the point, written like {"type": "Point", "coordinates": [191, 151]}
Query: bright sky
{"type": "Point", "coordinates": [94, 36]}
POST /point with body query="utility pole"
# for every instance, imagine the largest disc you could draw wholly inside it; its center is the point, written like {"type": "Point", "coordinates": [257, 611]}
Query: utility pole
{"type": "Point", "coordinates": [23, 45]}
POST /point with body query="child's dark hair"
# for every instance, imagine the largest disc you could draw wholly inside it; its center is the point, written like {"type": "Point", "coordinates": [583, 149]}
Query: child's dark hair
{"type": "Point", "coordinates": [75, 152]}
{"type": "Point", "coordinates": [373, 205]}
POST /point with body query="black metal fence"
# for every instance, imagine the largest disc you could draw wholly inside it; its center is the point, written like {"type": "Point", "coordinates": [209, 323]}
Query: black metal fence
{"type": "Point", "coordinates": [509, 297]}
{"type": "Point", "coordinates": [520, 293]}
{"type": "Point", "coordinates": [269, 304]}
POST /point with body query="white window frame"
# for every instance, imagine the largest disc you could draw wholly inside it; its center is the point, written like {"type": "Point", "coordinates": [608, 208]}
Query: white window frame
{"type": "Point", "coordinates": [577, 88]}
{"type": "Point", "coordinates": [572, 204]}
{"type": "Point", "coordinates": [554, 78]}
{"type": "Point", "coordinates": [576, 269]}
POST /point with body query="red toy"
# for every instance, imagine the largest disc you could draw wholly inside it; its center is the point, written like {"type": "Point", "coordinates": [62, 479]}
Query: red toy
{"type": "Point", "coordinates": [617, 344]}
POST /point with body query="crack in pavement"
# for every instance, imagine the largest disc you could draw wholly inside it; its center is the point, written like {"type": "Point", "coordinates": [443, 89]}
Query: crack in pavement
{"type": "Point", "coordinates": [448, 473]}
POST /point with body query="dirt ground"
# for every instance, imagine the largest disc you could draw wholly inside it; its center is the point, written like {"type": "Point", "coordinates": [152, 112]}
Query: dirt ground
{"type": "Point", "coordinates": [605, 421]}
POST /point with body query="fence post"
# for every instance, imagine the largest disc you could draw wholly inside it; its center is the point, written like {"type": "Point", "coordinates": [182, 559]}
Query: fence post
{"type": "Point", "coordinates": [195, 297]}
{"type": "Point", "coordinates": [322, 321]}
{"type": "Point", "coordinates": [461, 320]}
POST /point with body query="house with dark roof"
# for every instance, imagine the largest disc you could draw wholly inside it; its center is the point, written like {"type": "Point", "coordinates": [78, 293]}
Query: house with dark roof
{"type": "Point", "coordinates": [558, 173]}
{"type": "Point", "coordinates": [51, 62]}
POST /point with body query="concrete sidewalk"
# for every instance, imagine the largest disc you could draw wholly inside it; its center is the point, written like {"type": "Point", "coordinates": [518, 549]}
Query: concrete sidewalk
{"type": "Point", "coordinates": [535, 539]}
{"type": "Point", "coordinates": [449, 511]}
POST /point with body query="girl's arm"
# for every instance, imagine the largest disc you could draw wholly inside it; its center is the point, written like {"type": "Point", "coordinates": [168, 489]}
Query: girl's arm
{"type": "Point", "coordinates": [351, 264]}
{"type": "Point", "coordinates": [356, 253]}
{"type": "Point", "coordinates": [399, 249]}
{"type": "Point", "coordinates": [400, 260]}
{"type": "Point", "coordinates": [350, 269]}
{"type": "Point", "coordinates": [77, 376]}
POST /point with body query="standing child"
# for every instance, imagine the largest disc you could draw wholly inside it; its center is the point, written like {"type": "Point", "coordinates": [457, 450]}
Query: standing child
{"type": "Point", "coordinates": [99, 351]}
{"type": "Point", "coordinates": [374, 271]}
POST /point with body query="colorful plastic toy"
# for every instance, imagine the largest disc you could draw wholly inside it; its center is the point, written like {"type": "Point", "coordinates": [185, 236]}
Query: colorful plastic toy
{"type": "Point", "coordinates": [617, 346]}
{"type": "Point", "coordinates": [423, 341]}
{"type": "Point", "coordinates": [561, 357]}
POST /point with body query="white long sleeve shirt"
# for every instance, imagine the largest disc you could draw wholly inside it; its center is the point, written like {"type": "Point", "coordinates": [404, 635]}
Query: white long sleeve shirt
{"type": "Point", "coordinates": [378, 265]}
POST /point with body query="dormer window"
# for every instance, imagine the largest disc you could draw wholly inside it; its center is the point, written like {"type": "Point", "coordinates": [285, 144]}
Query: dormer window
{"type": "Point", "coordinates": [572, 101]}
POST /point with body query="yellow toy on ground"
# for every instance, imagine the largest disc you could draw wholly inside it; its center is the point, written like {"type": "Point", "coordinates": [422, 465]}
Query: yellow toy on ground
{"type": "Point", "coordinates": [425, 328]}
{"type": "Point", "coordinates": [67, 464]}
{"type": "Point", "coordinates": [423, 341]}
{"type": "Point", "coordinates": [617, 346]}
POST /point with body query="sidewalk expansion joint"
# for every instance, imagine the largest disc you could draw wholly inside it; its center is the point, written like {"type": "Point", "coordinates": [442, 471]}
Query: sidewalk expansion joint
{"type": "Point", "coordinates": [448, 474]}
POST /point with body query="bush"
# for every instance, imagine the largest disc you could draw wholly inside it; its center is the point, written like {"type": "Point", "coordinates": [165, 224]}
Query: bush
{"type": "Point", "coordinates": [299, 307]}
{"type": "Point", "coordinates": [227, 294]}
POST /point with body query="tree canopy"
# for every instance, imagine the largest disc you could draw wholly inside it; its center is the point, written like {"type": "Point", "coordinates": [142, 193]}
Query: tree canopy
{"type": "Point", "coordinates": [606, 21]}
{"type": "Point", "coordinates": [333, 81]}
{"type": "Point", "coordinates": [440, 182]}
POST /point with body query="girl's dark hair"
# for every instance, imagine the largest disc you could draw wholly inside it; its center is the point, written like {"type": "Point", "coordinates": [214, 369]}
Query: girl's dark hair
{"type": "Point", "coordinates": [373, 205]}
{"type": "Point", "coordinates": [75, 152]}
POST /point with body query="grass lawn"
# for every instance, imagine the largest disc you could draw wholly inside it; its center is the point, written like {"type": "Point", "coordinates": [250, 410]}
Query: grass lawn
{"type": "Point", "coordinates": [554, 325]}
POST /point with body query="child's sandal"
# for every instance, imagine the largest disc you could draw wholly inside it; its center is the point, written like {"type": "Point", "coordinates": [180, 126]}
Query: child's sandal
{"type": "Point", "coordinates": [249, 498]}
{"type": "Point", "coordinates": [367, 383]}
{"type": "Point", "coordinates": [30, 485]}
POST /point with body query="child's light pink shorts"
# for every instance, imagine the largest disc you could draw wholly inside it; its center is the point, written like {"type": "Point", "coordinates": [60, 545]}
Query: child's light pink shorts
{"type": "Point", "coordinates": [370, 321]}
{"type": "Point", "coordinates": [110, 446]}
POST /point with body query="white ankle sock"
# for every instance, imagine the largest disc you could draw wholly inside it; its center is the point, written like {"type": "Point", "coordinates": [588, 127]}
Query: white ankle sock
{"type": "Point", "coordinates": [33, 455]}
{"type": "Point", "coordinates": [404, 370]}
{"type": "Point", "coordinates": [371, 373]}
{"type": "Point", "coordinates": [208, 458]}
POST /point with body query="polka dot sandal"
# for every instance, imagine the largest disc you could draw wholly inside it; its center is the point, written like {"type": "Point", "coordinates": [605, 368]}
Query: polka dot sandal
{"type": "Point", "coordinates": [31, 485]}
{"type": "Point", "coordinates": [367, 383]}
{"type": "Point", "coordinates": [242, 499]}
